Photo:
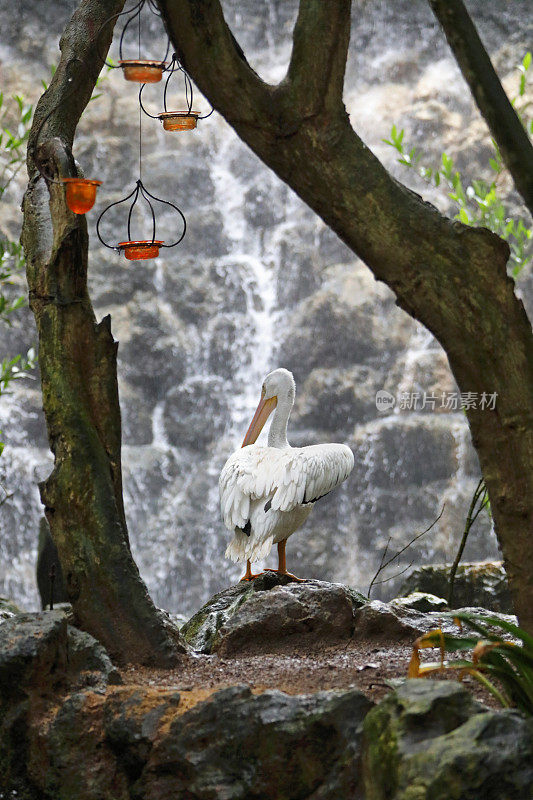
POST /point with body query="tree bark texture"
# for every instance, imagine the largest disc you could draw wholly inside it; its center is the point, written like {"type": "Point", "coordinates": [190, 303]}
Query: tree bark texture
{"type": "Point", "coordinates": [449, 276]}
{"type": "Point", "coordinates": [496, 108]}
{"type": "Point", "coordinates": [77, 356]}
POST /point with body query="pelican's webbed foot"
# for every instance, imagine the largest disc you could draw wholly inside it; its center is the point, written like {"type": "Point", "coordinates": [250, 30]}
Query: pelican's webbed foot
{"type": "Point", "coordinates": [249, 575]}
{"type": "Point", "coordinates": [288, 574]}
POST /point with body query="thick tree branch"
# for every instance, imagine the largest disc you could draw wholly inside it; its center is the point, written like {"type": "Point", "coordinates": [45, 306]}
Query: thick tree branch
{"type": "Point", "coordinates": [318, 61]}
{"type": "Point", "coordinates": [496, 108]}
{"type": "Point", "coordinates": [315, 76]}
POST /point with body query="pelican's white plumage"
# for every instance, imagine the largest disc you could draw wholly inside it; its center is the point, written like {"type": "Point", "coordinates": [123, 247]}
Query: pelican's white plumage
{"type": "Point", "coordinates": [267, 493]}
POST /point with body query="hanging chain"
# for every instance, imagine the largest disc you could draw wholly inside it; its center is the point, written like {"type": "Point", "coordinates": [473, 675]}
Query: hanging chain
{"type": "Point", "coordinates": [140, 114]}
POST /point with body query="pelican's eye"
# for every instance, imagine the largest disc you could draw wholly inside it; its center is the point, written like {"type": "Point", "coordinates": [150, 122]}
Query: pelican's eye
{"type": "Point", "coordinates": [263, 391]}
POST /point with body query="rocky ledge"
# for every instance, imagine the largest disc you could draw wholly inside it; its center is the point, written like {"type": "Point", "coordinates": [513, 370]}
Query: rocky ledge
{"type": "Point", "coordinates": [273, 614]}
{"type": "Point", "coordinates": [70, 731]}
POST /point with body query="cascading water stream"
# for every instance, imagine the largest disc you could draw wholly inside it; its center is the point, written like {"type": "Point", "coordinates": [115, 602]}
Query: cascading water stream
{"type": "Point", "coordinates": [257, 283]}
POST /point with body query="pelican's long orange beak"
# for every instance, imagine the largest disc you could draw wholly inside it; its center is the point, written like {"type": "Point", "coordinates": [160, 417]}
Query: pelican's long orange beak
{"type": "Point", "coordinates": [262, 413]}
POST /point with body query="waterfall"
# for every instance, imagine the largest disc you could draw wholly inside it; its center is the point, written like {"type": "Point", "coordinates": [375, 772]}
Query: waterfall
{"type": "Point", "coordinates": [258, 282]}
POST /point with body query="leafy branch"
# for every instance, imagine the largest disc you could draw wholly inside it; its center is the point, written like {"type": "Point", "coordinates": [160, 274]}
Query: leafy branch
{"type": "Point", "coordinates": [15, 124]}
{"type": "Point", "coordinates": [12, 369]}
{"type": "Point", "coordinates": [479, 204]}
{"type": "Point", "coordinates": [14, 133]}
{"type": "Point", "coordinates": [510, 663]}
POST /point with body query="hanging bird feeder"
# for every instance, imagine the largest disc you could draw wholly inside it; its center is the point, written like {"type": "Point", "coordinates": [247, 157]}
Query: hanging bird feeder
{"type": "Point", "coordinates": [80, 192]}
{"type": "Point", "coordinates": [179, 120]}
{"type": "Point", "coordinates": [138, 70]}
{"type": "Point", "coordinates": [142, 71]}
{"type": "Point", "coordinates": [184, 119]}
{"type": "Point", "coordinates": [137, 251]}
{"type": "Point", "coordinates": [141, 249]}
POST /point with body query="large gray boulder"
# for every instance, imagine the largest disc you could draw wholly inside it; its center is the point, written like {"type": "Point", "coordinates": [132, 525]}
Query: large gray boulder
{"type": "Point", "coordinates": [230, 744]}
{"type": "Point", "coordinates": [273, 613]}
{"type": "Point", "coordinates": [429, 740]}
{"type": "Point", "coordinates": [270, 746]}
{"type": "Point", "coordinates": [41, 657]}
{"type": "Point", "coordinates": [40, 652]}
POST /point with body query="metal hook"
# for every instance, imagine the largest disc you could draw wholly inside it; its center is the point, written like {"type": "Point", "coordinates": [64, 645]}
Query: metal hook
{"type": "Point", "coordinates": [137, 9]}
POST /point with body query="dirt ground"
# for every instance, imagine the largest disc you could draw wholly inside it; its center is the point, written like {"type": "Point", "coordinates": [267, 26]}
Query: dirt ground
{"type": "Point", "coordinates": [361, 665]}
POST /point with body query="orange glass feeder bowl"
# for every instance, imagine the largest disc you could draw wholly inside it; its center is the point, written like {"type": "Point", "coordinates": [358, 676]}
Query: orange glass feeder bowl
{"type": "Point", "coordinates": [179, 120]}
{"type": "Point", "coordinates": [136, 251]}
{"type": "Point", "coordinates": [142, 71]}
{"type": "Point", "coordinates": [81, 194]}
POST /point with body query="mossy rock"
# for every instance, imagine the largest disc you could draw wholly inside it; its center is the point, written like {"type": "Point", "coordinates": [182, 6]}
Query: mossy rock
{"type": "Point", "coordinates": [430, 740]}
{"type": "Point", "coordinates": [483, 584]}
{"type": "Point", "coordinates": [273, 612]}
{"type": "Point", "coordinates": [8, 608]}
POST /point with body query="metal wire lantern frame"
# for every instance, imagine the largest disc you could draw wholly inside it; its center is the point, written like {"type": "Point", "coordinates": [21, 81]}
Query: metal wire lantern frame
{"type": "Point", "coordinates": [133, 14]}
{"type": "Point", "coordinates": [140, 191]}
{"type": "Point", "coordinates": [173, 68]}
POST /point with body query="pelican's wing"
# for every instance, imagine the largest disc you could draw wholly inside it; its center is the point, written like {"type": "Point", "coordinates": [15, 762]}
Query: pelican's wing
{"type": "Point", "coordinates": [248, 474]}
{"type": "Point", "coordinates": [310, 473]}
{"type": "Point", "coordinates": [286, 478]}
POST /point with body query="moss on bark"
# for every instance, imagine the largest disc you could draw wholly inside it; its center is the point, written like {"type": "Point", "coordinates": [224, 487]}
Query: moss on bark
{"type": "Point", "coordinates": [83, 495]}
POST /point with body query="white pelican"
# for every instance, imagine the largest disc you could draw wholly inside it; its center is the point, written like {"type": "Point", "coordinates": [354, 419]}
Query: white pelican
{"type": "Point", "coordinates": [266, 493]}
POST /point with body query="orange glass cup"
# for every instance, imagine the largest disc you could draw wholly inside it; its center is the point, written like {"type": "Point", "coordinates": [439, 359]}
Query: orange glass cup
{"type": "Point", "coordinates": [81, 194]}
{"type": "Point", "coordinates": [179, 120]}
{"type": "Point", "coordinates": [136, 251]}
{"type": "Point", "coordinates": [142, 71]}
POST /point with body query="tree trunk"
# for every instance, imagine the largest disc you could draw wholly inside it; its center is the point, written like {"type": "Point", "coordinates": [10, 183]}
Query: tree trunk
{"type": "Point", "coordinates": [450, 277]}
{"type": "Point", "coordinates": [77, 356]}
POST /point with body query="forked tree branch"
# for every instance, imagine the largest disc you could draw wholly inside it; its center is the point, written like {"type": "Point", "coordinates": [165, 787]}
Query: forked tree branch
{"type": "Point", "coordinates": [320, 47]}
{"type": "Point", "coordinates": [203, 24]}
{"type": "Point", "coordinates": [491, 99]}
{"type": "Point", "coordinates": [315, 76]}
